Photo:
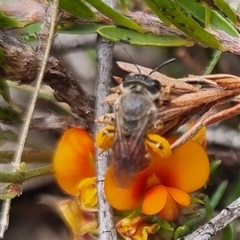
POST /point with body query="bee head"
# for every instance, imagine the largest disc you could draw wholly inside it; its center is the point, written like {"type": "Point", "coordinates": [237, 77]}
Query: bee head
{"type": "Point", "coordinates": [141, 83]}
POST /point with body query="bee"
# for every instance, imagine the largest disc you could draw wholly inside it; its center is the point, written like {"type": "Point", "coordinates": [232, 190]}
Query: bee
{"type": "Point", "coordinates": [135, 112]}
{"type": "Point", "coordinates": [131, 133]}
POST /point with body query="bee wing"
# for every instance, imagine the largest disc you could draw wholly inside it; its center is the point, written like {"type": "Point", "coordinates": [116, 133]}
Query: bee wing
{"type": "Point", "coordinates": [128, 153]}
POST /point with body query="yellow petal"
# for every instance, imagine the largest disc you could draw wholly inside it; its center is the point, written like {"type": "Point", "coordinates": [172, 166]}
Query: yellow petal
{"type": "Point", "coordinates": [88, 194]}
{"type": "Point", "coordinates": [104, 137]}
{"type": "Point", "coordinates": [80, 222]}
{"type": "Point", "coordinates": [158, 144]}
{"type": "Point", "coordinates": [136, 228]}
{"type": "Point", "coordinates": [154, 200]}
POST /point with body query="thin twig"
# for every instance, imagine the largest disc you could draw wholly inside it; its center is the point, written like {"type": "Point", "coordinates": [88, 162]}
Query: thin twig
{"type": "Point", "coordinates": [33, 156]}
{"type": "Point", "coordinates": [51, 13]}
{"type": "Point", "coordinates": [211, 228]}
{"type": "Point", "coordinates": [107, 229]}
{"type": "Point", "coordinates": [106, 222]}
{"type": "Point", "coordinates": [19, 177]}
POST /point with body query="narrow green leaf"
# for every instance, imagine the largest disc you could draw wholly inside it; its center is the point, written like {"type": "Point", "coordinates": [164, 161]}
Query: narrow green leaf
{"type": "Point", "coordinates": [181, 231]}
{"type": "Point", "coordinates": [3, 60]}
{"type": "Point", "coordinates": [208, 208]}
{"type": "Point", "coordinates": [9, 114]}
{"type": "Point", "coordinates": [160, 14]}
{"type": "Point", "coordinates": [128, 36]}
{"type": "Point", "coordinates": [114, 15]}
{"type": "Point", "coordinates": [4, 90]}
{"type": "Point", "coordinates": [9, 22]}
{"type": "Point", "coordinates": [218, 194]}
{"type": "Point", "coordinates": [216, 21]}
{"type": "Point", "coordinates": [164, 224]}
{"type": "Point", "coordinates": [123, 4]}
{"type": "Point", "coordinates": [234, 193]}
{"type": "Point", "coordinates": [207, 16]}
{"type": "Point", "coordinates": [234, 226]}
{"type": "Point", "coordinates": [77, 8]}
{"type": "Point", "coordinates": [183, 21]}
{"type": "Point", "coordinates": [227, 10]}
{"type": "Point", "coordinates": [227, 233]}
{"type": "Point", "coordinates": [215, 58]}
{"type": "Point", "coordinates": [73, 28]}
{"type": "Point", "coordinates": [214, 166]}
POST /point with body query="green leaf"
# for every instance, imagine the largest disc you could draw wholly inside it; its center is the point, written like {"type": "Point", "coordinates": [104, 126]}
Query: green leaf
{"type": "Point", "coordinates": [181, 231]}
{"type": "Point", "coordinates": [4, 90]}
{"type": "Point", "coordinates": [183, 21]}
{"type": "Point", "coordinates": [227, 10]}
{"type": "Point", "coordinates": [114, 15]}
{"type": "Point", "coordinates": [3, 60]}
{"type": "Point", "coordinates": [234, 193]}
{"type": "Point", "coordinates": [29, 37]}
{"type": "Point", "coordinates": [212, 64]}
{"type": "Point", "coordinates": [123, 5]}
{"type": "Point", "coordinates": [159, 13]}
{"type": "Point", "coordinates": [218, 194]}
{"type": "Point", "coordinates": [214, 166]}
{"type": "Point", "coordinates": [9, 114]}
{"type": "Point", "coordinates": [216, 19]}
{"type": "Point", "coordinates": [77, 8]}
{"type": "Point", "coordinates": [73, 28]}
{"type": "Point", "coordinates": [9, 22]}
{"type": "Point", "coordinates": [227, 233]}
{"type": "Point", "coordinates": [164, 224]}
{"type": "Point", "coordinates": [208, 208]}
{"type": "Point", "coordinates": [128, 36]}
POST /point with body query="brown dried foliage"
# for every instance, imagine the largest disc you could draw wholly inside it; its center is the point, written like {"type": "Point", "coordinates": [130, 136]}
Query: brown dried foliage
{"type": "Point", "coordinates": [193, 98]}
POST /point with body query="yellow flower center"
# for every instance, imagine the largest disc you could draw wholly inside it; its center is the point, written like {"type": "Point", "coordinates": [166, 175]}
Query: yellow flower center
{"type": "Point", "coordinates": [153, 180]}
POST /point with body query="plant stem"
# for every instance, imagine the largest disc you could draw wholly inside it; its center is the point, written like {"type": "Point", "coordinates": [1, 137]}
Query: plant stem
{"type": "Point", "coordinates": [19, 177]}
{"type": "Point", "coordinates": [208, 230]}
{"type": "Point", "coordinates": [28, 156]}
{"type": "Point", "coordinates": [107, 229]}
{"type": "Point", "coordinates": [44, 47]}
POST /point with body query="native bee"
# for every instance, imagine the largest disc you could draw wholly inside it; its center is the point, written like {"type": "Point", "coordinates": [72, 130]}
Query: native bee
{"type": "Point", "coordinates": [135, 112]}
{"type": "Point", "coordinates": [131, 132]}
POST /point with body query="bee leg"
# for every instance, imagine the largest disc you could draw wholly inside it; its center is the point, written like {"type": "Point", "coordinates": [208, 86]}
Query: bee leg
{"type": "Point", "coordinates": [104, 137]}
{"type": "Point", "coordinates": [158, 144]}
{"type": "Point", "coordinates": [165, 93]}
{"type": "Point", "coordinates": [158, 125]}
{"type": "Point", "coordinates": [107, 119]}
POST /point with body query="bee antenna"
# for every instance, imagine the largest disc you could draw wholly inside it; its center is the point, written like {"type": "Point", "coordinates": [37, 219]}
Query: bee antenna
{"type": "Point", "coordinates": [130, 55]}
{"type": "Point", "coordinates": [162, 65]}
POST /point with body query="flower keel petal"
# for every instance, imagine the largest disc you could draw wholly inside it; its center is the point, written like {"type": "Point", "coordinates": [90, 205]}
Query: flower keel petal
{"type": "Point", "coordinates": [154, 200]}
{"type": "Point", "coordinates": [180, 196]}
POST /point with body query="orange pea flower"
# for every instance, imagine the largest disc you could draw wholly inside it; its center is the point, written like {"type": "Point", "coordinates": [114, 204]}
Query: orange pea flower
{"type": "Point", "coordinates": [166, 185]}
{"type": "Point", "coordinates": [73, 159]}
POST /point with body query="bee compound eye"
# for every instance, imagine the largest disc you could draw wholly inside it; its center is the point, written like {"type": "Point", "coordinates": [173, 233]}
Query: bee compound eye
{"type": "Point", "coordinates": [129, 77]}
{"type": "Point", "coordinates": [156, 84]}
